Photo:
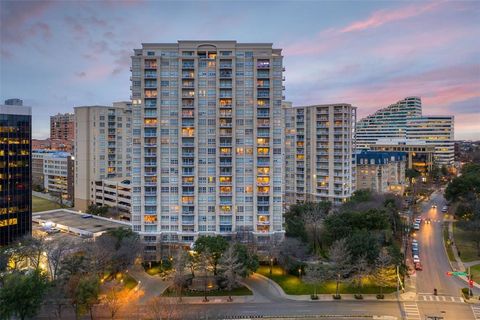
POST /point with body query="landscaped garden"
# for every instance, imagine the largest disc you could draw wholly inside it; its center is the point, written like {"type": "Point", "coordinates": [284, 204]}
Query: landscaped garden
{"type": "Point", "coordinates": [465, 244]}
{"type": "Point", "coordinates": [293, 285]}
{"type": "Point", "coordinates": [239, 291]}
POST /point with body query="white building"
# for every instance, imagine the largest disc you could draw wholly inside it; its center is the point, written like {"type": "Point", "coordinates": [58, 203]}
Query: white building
{"type": "Point", "coordinates": [324, 153]}
{"type": "Point", "coordinates": [404, 121]}
{"type": "Point", "coordinates": [208, 140]}
{"type": "Point", "coordinates": [102, 148]}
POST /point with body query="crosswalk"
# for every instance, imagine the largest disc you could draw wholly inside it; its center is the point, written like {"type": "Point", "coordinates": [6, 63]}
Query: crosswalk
{"type": "Point", "coordinates": [476, 312]}
{"type": "Point", "coordinates": [431, 297]}
{"type": "Point", "coordinates": [411, 311]}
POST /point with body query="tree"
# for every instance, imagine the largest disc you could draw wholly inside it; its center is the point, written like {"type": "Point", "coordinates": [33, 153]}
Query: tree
{"type": "Point", "coordinates": [179, 276]}
{"type": "Point", "coordinates": [34, 249]}
{"type": "Point", "coordinates": [361, 270]}
{"type": "Point", "coordinates": [363, 243]}
{"type": "Point", "coordinates": [385, 273]}
{"type": "Point", "coordinates": [86, 295]}
{"type": "Point", "coordinates": [231, 268]}
{"type": "Point", "coordinates": [162, 308]}
{"type": "Point", "coordinates": [214, 245]}
{"type": "Point", "coordinates": [22, 294]}
{"type": "Point", "coordinates": [316, 274]}
{"type": "Point", "coordinates": [291, 252]}
{"type": "Point", "coordinates": [57, 297]}
{"type": "Point", "coordinates": [340, 261]}
{"type": "Point", "coordinates": [57, 251]}
{"type": "Point", "coordinates": [113, 300]}
{"type": "Point", "coordinates": [472, 228]}
{"type": "Point", "coordinates": [411, 174]}
{"type": "Point", "coordinates": [204, 267]}
{"type": "Point", "coordinates": [247, 258]}
{"type": "Point", "coordinates": [97, 210]}
{"type": "Point", "coordinates": [294, 222]}
{"type": "Point", "coordinates": [313, 220]}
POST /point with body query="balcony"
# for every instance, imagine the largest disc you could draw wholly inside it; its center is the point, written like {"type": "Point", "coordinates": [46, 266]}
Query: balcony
{"type": "Point", "coordinates": [188, 65]}
{"type": "Point", "coordinates": [225, 163]}
{"type": "Point", "coordinates": [150, 164]}
{"type": "Point", "coordinates": [150, 173]}
{"type": "Point", "coordinates": [263, 74]}
{"type": "Point", "coordinates": [225, 74]}
{"type": "Point", "coordinates": [225, 65]}
{"type": "Point", "coordinates": [263, 64]}
{"type": "Point", "coordinates": [188, 75]}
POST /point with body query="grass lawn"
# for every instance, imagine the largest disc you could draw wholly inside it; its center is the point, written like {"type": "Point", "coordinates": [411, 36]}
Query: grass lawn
{"type": "Point", "coordinates": [467, 248]}
{"type": "Point", "coordinates": [241, 291]}
{"type": "Point", "coordinates": [451, 257]}
{"type": "Point", "coordinates": [293, 285]}
{"type": "Point", "coordinates": [475, 270]}
{"type": "Point", "coordinates": [40, 204]}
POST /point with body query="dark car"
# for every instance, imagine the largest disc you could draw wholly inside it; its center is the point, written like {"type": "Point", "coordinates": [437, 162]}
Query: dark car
{"type": "Point", "coordinates": [418, 266]}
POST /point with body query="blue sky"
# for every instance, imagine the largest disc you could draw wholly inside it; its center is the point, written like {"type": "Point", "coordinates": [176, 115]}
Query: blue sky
{"type": "Point", "coordinates": [57, 55]}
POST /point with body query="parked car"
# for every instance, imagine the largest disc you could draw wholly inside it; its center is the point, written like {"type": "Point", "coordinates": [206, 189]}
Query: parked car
{"type": "Point", "coordinates": [444, 209]}
{"type": "Point", "coordinates": [416, 226]}
{"type": "Point", "coordinates": [434, 206]}
{"type": "Point", "coordinates": [418, 220]}
{"type": "Point", "coordinates": [416, 258]}
{"type": "Point", "coordinates": [418, 266]}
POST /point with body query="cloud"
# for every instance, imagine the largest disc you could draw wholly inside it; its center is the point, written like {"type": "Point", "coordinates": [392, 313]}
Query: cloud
{"type": "Point", "coordinates": [382, 17]}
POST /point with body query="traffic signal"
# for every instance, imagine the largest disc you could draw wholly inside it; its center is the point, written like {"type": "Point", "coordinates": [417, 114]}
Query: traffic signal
{"type": "Point", "coordinates": [449, 273]}
{"type": "Point", "coordinates": [470, 283]}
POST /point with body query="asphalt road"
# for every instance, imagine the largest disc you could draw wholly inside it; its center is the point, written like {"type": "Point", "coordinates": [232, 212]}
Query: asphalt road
{"type": "Point", "coordinates": [432, 252]}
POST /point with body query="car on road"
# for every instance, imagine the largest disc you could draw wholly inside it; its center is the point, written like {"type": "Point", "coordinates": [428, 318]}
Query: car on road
{"type": "Point", "coordinates": [428, 221]}
{"type": "Point", "coordinates": [444, 209]}
{"type": "Point", "coordinates": [418, 220]}
{"type": "Point", "coordinates": [434, 206]}
{"type": "Point", "coordinates": [416, 258]}
{"type": "Point", "coordinates": [414, 241]}
{"type": "Point", "coordinates": [418, 266]}
{"type": "Point", "coordinates": [416, 226]}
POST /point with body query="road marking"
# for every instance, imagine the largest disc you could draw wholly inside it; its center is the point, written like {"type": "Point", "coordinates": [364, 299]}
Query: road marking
{"type": "Point", "coordinates": [430, 297]}
{"type": "Point", "coordinates": [411, 311]}
{"type": "Point", "coordinates": [476, 312]}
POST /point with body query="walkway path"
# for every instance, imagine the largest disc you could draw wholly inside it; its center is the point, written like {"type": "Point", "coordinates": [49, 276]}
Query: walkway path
{"type": "Point", "coordinates": [151, 286]}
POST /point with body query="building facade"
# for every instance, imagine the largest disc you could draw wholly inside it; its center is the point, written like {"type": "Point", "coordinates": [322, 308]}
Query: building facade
{"type": "Point", "coordinates": [437, 131]}
{"type": "Point", "coordinates": [57, 173]}
{"type": "Point", "coordinates": [102, 147]}
{"type": "Point", "coordinates": [404, 120]}
{"type": "Point", "coordinates": [208, 140]}
{"type": "Point", "coordinates": [323, 151]}
{"type": "Point", "coordinates": [15, 172]}
{"type": "Point", "coordinates": [381, 172]}
{"type": "Point", "coordinates": [116, 194]}
{"type": "Point", "coordinates": [290, 156]}
{"type": "Point", "coordinates": [62, 126]}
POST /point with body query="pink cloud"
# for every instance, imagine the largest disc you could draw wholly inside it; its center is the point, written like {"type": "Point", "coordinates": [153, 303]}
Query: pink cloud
{"type": "Point", "coordinates": [382, 17]}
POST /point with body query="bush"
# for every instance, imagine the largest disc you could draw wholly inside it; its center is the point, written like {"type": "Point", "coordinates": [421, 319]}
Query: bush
{"type": "Point", "coordinates": [337, 297]}
{"type": "Point", "coordinates": [466, 293]}
{"type": "Point", "coordinates": [380, 296]}
{"type": "Point", "coordinates": [314, 296]}
{"type": "Point", "coordinates": [358, 297]}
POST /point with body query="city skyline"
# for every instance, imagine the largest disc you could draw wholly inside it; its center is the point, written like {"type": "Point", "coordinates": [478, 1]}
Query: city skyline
{"type": "Point", "coordinates": [86, 48]}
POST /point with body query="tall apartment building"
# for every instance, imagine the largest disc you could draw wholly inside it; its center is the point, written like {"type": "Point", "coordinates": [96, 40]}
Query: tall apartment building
{"type": "Point", "coordinates": [437, 131]}
{"type": "Point", "coordinates": [290, 156]}
{"type": "Point", "coordinates": [404, 120]}
{"type": "Point", "coordinates": [54, 172]}
{"type": "Point", "coordinates": [15, 172]}
{"type": "Point", "coordinates": [62, 126]}
{"type": "Point", "coordinates": [324, 153]}
{"type": "Point", "coordinates": [381, 172]}
{"type": "Point", "coordinates": [102, 147]}
{"type": "Point", "coordinates": [208, 140]}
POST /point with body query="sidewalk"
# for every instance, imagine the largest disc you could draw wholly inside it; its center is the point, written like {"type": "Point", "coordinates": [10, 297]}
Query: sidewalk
{"type": "Point", "coordinates": [151, 286]}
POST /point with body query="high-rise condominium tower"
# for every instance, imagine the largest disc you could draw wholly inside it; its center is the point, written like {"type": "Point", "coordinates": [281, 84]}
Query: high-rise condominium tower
{"type": "Point", "coordinates": [62, 126]}
{"type": "Point", "coordinates": [323, 151]}
{"type": "Point", "coordinates": [15, 172]}
{"type": "Point", "coordinates": [102, 148]}
{"type": "Point", "coordinates": [207, 140]}
{"type": "Point", "coordinates": [404, 120]}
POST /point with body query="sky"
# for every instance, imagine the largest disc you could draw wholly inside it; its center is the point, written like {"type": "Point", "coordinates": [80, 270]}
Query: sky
{"type": "Point", "coordinates": [56, 55]}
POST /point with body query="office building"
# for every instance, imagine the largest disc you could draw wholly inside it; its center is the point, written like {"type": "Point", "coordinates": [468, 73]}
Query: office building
{"type": "Point", "coordinates": [15, 172]}
{"type": "Point", "coordinates": [419, 153]}
{"type": "Point", "coordinates": [381, 172]}
{"type": "Point", "coordinates": [404, 121]}
{"type": "Point", "coordinates": [324, 153]}
{"type": "Point", "coordinates": [115, 193]}
{"type": "Point", "coordinates": [53, 172]}
{"type": "Point", "coordinates": [437, 131]}
{"type": "Point", "coordinates": [208, 140]}
{"type": "Point", "coordinates": [102, 148]}
{"type": "Point", "coordinates": [14, 102]}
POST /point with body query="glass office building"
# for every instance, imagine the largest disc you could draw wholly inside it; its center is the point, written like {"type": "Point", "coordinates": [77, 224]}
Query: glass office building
{"type": "Point", "coordinates": [15, 173]}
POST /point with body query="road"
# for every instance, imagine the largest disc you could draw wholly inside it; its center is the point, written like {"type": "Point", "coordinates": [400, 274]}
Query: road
{"type": "Point", "coordinates": [432, 252]}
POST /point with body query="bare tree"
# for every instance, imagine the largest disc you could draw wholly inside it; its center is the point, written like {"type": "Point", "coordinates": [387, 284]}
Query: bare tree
{"type": "Point", "coordinates": [290, 252]}
{"type": "Point", "coordinates": [361, 270]}
{"type": "Point", "coordinates": [57, 251]}
{"type": "Point", "coordinates": [230, 268]}
{"type": "Point", "coordinates": [179, 276]}
{"type": "Point", "coordinates": [385, 273]}
{"type": "Point", "coordinates": [34, 249]}
{"type": "Point", "coordinates": [113, 300]}
{"type": "Point", "coordinates": [340, 259]}
{"type": "Point", "coordinates": [313, 220]}
{"type": "Point", "coordinates": [316, 274]}
{"type": "Point", "coordinates": [204, 267]}
{"type": "Point", "coordinates": [162, 308]}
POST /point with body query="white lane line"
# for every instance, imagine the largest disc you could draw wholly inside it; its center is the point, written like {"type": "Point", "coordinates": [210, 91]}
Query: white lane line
{"type": "Point", "coordinates": [411, 311]}
{"type": "Point", "coordinates": [476, 312]}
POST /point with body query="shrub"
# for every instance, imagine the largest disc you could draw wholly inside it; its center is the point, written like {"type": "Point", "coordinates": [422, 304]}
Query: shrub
{"type": "Point", "coordinates": [466, 293]}
{"type": "Point", "coordinates": [358, 297]}
{"type": "Point", "coordinates": [337, 297]}
{"type": "Point", "coordinates": [380, 296]}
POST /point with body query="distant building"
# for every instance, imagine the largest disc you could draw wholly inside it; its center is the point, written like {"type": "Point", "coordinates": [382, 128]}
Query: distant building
{"type": "Point", "coordinates": [381, 172]}
{"type": "Point", "coordinates": [115, 193]}
{"type": "Point", "coordinates": [102, 148]}
{"type": "Point", "coordinates": [290, 156]}
{"type": "Point", "coordinates": [14, 102]}
{"type": "Point", "coordinates": [62, 126]}
{"type": "Point", "coordinates": [53, 144]}
{"type": "Point", "coordinates": [15, 172]}
{"type": "Point", "coordinates": [321, 142]}
{"type": "Point", "coordinates": [404, 121]}
{"type": "Point", "coordinates": [57, 174]}
{"type": "Point", "coordinates": [419, 153]}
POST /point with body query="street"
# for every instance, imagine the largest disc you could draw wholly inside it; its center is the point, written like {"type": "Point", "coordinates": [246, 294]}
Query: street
{"type": "Point", "coordinates": [432, 253]}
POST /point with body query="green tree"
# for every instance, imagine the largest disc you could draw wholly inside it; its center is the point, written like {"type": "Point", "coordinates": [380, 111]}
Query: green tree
{"type": "Point", "coordinates": [21, 295]}
{"type": "Point", "coordinates": [247, 258]}
{"type": "Point", "coordinates": [215, 245]}
{"type": "Point", "coordinates": [363, 244]}
{"type": "Point", "coordinates": [86, 295]}
{"type": "Point", "coordinates": [412, 174]}
{"type": "Point", "coordinates": [294, 222]}
{"type": "Point", "coordinates": [385, 273]}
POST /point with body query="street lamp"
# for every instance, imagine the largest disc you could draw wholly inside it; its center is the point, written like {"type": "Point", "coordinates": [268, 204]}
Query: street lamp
{"type": "Point", "coordinates": [271, 266]}
{"type": "Point", "coordinates": [300, 273]}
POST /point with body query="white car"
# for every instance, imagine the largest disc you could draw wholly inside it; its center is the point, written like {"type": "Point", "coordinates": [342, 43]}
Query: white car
{"type": "Point", "coordinates": [415, 241]}
{"type": "Point", "coordinates": [416, 258]}
{"type": "Point", "coordinates": [416, 226]}
{"type": "Point", "coordinates": [445, 209]}
{"type": "Point", "coordinates": [418, 220]}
